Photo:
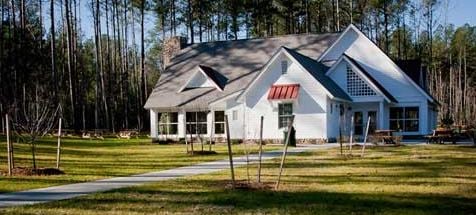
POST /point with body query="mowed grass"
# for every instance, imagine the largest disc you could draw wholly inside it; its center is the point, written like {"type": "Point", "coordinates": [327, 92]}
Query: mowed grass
{"type": "Point", "coordinates": [87, 160]}
{"type": "Point", "coordinates": [432, 179]}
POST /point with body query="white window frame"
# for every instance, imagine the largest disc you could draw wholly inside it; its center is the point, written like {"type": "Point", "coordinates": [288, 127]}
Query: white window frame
{"type": "Point", "coordinates": [195, 123]}
{"type": "Point", "coordinates": [167, 123]}
{"type": "Point", "coordinates": [284, 115]}
{"type": "Point", "coordinates": [218, 122]}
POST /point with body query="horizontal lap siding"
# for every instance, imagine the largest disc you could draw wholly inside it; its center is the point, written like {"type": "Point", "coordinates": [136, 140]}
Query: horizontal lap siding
{"type": "Point", "coordinates": [309, 108]}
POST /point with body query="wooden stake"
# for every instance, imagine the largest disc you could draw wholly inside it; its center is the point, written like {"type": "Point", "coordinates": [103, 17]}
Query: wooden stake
{"type": "Point", "coordinates": [351, 134]}
{"type": "Point", "coordinates": [9, 156]}
{"type": "Point", "coordinates": [247, 161]}
{"type": "Point", "coordinates": [230, 155]}
{"type": "Point", "coordinates": [185, 135]}
{"type": "Point", "coordinates": [285, 150]}
{"type": "Point", "coordinates": [58, 149]}
{"type": "Point", "coordinates": [260, 153]}
{"type": "Point", "coordinates": [211, 133]}
{"type": "Point", "coordinates": [366, 134]}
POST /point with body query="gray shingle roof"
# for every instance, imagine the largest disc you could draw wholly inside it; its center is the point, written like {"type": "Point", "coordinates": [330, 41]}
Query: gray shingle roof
{"type": "Point", "coordinates": [318, 71]}
{"type": "Point", "coordinates": [239, 61]}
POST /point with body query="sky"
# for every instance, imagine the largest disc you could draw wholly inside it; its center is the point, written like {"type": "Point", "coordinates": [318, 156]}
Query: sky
{"type": "Point", "coordinates": [460, 12]}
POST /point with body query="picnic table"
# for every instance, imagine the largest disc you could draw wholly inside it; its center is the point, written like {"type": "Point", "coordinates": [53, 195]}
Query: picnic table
{"type": "Point", "coordinates": [127, 134]}
{"type": "Point", "coordinates": [385, 136]}
{"type": "Point", "coordinates": [440, 135]}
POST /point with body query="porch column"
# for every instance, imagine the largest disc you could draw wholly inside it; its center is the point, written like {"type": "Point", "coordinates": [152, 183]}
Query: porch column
{"type": "Point", "coordinates": [181, 124]}
{"type": "Point", "coordinates": [210, 117]}
{"type": "Point", "coordinates": [153, 124]}
{"type": "Point", "coordinates": [381, 115]}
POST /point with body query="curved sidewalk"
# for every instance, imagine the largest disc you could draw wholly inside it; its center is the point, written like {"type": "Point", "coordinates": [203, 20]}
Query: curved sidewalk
{"type": "Point", "coordinates": [69, 191]}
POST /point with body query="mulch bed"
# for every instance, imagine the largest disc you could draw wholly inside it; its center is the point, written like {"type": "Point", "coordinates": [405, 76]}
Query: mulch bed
{"type": "Point", "coordinates": [28, 171]}
{"type": "Point", "coordinates": [253, 185]}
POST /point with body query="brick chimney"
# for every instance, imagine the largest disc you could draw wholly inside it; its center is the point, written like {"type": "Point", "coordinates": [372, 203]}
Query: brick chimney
{"type": "Point", "coordinates": [172, 47]}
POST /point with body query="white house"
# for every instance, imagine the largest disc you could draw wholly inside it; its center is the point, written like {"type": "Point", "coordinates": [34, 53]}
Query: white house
{"type": "Point", "coordinates": [321, 79]}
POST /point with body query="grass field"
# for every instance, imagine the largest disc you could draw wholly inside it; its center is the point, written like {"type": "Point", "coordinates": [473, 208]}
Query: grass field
{"type": "Point", "coordinates": [86, 160]}
{"type": "Point", "coordinates": [433, 179]}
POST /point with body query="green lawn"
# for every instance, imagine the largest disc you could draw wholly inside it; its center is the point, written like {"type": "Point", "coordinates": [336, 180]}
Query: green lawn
{"type": "Point", "coordinates": [432, 179]}
{"type": "Point", "coordinates": [86, 160]}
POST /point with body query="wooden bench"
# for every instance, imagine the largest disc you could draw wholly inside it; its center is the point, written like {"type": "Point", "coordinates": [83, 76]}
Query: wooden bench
{"type": "Point", "coordinates": [440, 136]}
{"type": "Point", "coordinates": [385, 136]}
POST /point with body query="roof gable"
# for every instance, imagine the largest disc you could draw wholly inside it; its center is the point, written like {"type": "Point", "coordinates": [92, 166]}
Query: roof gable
{"type": "Point", "coordinates": [376, 63]}
{"type": "Point", "coordinates": [205, 77]}
{"type": "Point", "coordinates": [314, 68]}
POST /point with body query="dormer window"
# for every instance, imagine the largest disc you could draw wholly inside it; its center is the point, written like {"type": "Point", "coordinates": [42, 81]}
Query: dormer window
{"type": "Point", "coordinates": [205, 77]}
{"type": "Point", "coordinates": [284, 67]}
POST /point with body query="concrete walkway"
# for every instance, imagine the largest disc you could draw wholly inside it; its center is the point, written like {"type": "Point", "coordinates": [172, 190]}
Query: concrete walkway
{"type": "Point", "coordinates": [69, 191]}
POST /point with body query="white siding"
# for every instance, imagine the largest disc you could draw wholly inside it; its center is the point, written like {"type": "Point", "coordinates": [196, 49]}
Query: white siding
{"type": "Point", "coordinates": [333, 118]}
{"type": "Point", "coordinates": [376, 63]}
{"type": "Point", "coordinates": [199, 80]}
{"type": "Point", "coordinates": [236, 125]}
{"type": "Point", "coordinates": [309, 109]}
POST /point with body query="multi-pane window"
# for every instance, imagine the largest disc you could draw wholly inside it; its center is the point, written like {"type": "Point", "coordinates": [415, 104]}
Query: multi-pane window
{"type": "Point", "coordinates": [404, 119]}
{"type": "Point", "coordinates": [196, 122]}
{"type": "Point", "coordinates": [219, 122]}
{"type": "Point", "coordinates": [285, 112]}
{"type": "Point", "coordinates": [168, 123]}
{"type": "Point", "coordinates": [356, 86]}
{"type": "Point", "coordinates": [284, 66]}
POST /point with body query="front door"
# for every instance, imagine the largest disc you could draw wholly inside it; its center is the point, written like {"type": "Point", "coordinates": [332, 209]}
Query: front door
{"type": "Point", "coordinates": [373, 121]}
{"type": "Point", "coordinates": [360, 122]}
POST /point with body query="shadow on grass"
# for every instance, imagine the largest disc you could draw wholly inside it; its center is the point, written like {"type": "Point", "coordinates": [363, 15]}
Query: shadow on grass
{"type": "Point", "coordinates": [219, 200]}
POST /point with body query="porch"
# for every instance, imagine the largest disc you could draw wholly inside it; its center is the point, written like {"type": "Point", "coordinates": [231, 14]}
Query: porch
{"type": "Point", "coordinates": [191, 124]}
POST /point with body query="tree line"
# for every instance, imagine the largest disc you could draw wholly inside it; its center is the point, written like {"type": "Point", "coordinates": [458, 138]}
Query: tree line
{"type": "Point", "coordinates": [101, 81]}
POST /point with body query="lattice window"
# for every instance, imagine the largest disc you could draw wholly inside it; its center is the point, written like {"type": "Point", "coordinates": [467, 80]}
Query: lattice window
{"type": "Point", "coordinates": [356, 86]}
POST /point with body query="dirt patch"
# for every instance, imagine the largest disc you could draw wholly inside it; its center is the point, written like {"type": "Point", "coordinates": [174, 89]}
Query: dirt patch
{"type": "Point", "coordinates": [253, 185]}
{"type": "Point", "coordinates": [202, 153]}
{"type": "Point", "coordinates": [28, 171]}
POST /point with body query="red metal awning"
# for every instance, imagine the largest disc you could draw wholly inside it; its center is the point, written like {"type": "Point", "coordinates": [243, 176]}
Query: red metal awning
{"type": "Point", "coordinates": [284, 91]}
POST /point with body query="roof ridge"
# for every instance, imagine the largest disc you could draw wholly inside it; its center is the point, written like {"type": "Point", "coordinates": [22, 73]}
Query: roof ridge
{"type": "Point", "coordinates": [259, 38]}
